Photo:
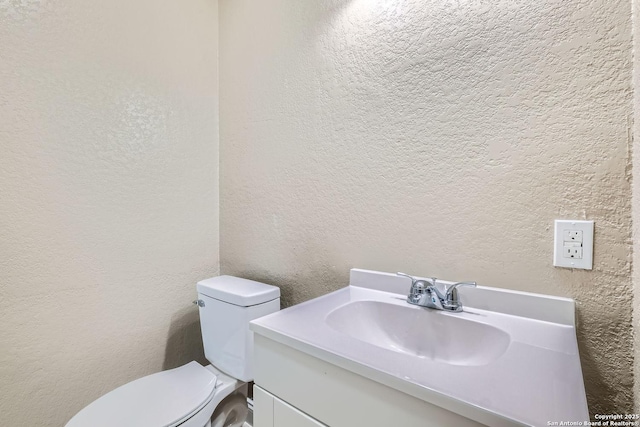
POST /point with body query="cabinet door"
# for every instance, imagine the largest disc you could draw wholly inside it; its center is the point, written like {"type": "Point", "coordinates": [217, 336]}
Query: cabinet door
{"type": "Point", "coordinates": [285, 415]}
{"type": "Point", "coordinates": [262, 408]}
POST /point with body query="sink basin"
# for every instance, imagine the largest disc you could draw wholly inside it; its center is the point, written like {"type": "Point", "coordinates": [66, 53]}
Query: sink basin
{"type": "Point", "coordinates": [424, 333]}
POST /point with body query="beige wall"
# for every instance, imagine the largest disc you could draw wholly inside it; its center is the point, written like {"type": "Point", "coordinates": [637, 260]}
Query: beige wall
{"type": "Point", "coordinates": [108, 195]}
{"type": "Point", "coordinates": [437, 138]}
{"type": "Point", "coordinates": [440, 138]}
{"type": "Point", "coordinates": [636, 202]}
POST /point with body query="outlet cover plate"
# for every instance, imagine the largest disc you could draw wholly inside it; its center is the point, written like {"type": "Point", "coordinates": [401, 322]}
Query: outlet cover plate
{"type": "Point", "coordinates": [561, 230]}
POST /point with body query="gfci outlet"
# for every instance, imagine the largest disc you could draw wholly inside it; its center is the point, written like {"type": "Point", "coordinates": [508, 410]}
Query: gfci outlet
{"type": "Point", "coordinates": [573, 244]}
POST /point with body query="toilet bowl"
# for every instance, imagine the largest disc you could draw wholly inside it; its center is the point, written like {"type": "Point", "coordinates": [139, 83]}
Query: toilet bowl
{"type": "Point", "coordinates": [189, 395]}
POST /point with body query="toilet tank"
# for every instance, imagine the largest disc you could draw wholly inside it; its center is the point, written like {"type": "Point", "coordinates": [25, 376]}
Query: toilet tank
{"type": "Point", "coordinates": [227, 304]}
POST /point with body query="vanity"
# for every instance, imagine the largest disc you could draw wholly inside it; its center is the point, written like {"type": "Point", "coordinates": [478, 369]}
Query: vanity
{"type": "Point", "coordinates": [364, 356]}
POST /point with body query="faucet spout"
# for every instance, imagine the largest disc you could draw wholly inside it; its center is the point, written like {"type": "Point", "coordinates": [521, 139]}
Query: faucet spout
{"type": "Point", "coordinates": [420, 289]}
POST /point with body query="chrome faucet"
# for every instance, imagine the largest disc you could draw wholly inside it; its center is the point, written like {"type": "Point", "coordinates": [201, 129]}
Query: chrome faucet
{"type": "Point", "coordinates": [425, 293]}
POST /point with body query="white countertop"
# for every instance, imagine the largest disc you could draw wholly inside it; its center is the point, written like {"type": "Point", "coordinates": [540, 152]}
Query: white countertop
{"type": "Point", "coordinates": [537, 380]}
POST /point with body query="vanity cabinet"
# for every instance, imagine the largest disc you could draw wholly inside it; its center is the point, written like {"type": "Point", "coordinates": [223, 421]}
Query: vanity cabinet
{"type": "Point", "coordinates": [269, 411]}
{"type": "Point", "coordinates": [363, 356]}
{"type": "Point", "coordinates": [294, 389]}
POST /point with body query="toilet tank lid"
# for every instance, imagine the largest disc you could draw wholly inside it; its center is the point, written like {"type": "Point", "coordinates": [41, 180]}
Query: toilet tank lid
{"type": "Point", "coordinates": [238, 291]}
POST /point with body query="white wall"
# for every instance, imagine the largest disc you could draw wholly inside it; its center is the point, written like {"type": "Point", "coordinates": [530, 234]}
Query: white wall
{"type": "Point", "coordinates": [439, 138]}
{"type": "Point", "coordinates": [108, 195]}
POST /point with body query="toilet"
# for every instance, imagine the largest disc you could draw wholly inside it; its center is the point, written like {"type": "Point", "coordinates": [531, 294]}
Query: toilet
{"type": "Point", "coordinates": [194, 395]}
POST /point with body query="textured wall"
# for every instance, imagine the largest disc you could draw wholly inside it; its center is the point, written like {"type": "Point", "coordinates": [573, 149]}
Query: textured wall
{"type": "Point", "coordinates": [436, 138]}
{"type": "Point", "coordinates": [636, 202]}
{"type": "Point", "coordinates": [108, 189]}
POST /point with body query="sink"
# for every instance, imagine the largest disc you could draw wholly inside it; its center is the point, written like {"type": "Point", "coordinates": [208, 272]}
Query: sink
{"type": "Point", "coordinates": [510, 358]}
{"type": "Point", "coordinates": [420, 332]}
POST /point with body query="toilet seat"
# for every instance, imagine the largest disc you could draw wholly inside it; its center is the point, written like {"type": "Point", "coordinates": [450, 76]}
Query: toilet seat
{"type": "Point", "coordinates": [164, 399]}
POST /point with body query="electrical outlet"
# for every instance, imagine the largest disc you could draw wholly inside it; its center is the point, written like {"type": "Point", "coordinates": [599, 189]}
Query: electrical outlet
{"type": "Point", "coordinates": [572, 250]}
{"type": "Point", "coordinates": [572, 235]}
{"type": "Point", "coordinates": [573, 244]}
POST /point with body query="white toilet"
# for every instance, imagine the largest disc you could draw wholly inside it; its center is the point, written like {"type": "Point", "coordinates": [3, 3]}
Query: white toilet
{"type": "Point", "coordinates": [188, 396]}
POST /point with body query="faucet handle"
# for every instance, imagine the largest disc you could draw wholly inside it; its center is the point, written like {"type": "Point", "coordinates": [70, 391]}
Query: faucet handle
{"type": "Point", "coordinates": [451, 294]}
{"type": "Point", "coordinates": [414, 280]}
{"type": "Point", "coordinates": [455, 285]}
